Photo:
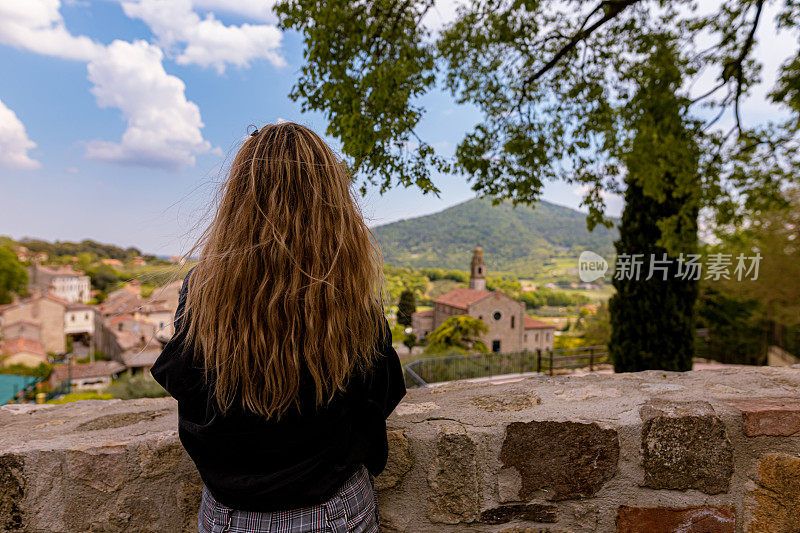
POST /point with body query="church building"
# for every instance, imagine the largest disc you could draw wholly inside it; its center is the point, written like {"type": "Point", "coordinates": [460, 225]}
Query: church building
{"type": "Point", "coordinates": [510, 329]}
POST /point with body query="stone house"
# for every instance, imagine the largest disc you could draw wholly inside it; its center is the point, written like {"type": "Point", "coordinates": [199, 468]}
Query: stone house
{"type": "Point", "coordinates": [510, 329]}
{"type": "Point", "coordinates": [86, 376]}
{"type": "Point", "coordinates": [22, 351]}
{"type": "Point", "coordinates": [21, 328]}
{"type": "Point", "coordinates": [60, 281]}
{"type": "Point", "coordinates": [79, 319]}
{"type": "Point", "coordinates": [47, 312]}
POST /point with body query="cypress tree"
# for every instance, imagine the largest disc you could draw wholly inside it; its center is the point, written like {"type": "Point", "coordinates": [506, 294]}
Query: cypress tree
{"type": "Point", "coordinates": [652, 320]}
{"type": "Point", "coordinates": [406, 307]}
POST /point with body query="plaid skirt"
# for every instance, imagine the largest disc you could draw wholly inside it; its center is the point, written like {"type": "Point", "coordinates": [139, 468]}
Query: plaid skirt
{"type": "Point", "coordinates": [353, 509]}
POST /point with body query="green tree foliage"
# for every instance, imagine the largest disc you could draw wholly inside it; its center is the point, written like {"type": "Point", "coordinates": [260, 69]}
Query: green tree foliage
{"type": "Point", "coordinates": [744, 316]}
{"type": "Point", "coordinates": [551, 298]}
{"type": "Point", "coordinates": [435, 274]}
{"type": "Point", "coordinates": [41, 371]}
{"type": "Point", "coordinates": [13, 277]}
{"type": "Point", "coordinates": [365, 67]}
{"type": "Point", "coordinates": [406, 307]}
{"type": "Point", "coordinates": [94, 249]}
{"type": "Point", "coordinates": [736, 330]}
{"type": "Point", "coordinates": [596, 328]}
{"type": "Point", "coordinates": [653, 319]}
{"type": "Point", "coordinates": [410, 341]}
{"type": "Point", "coordinates": [128, 388]}
{"type": "Point", "coordinates": [103, 277]}
{"type": "Point", "coordinates": [550, 79]}
{"type": "Point", "coordinates": [461, 334]}
{"type": "Point", "coordinates": [508, 284]}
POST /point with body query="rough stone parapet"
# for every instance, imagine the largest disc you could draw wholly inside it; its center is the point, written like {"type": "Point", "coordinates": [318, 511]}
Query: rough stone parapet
{"type": "Point", "coordinates": [715, 450]}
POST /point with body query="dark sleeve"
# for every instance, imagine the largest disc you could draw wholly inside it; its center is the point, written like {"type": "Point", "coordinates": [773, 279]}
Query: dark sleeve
{"type": "Point", "coordinates": [175, 369]}
{"type": "Point", "coordinates": [387, 385]}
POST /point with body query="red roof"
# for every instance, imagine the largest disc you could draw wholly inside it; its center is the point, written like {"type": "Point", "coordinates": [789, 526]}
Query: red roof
{"type": "Point", "coordinates": [86, 370]}
{"type": "Point", "coordinates": [461, 297]}
{"type": "Point", "coordinates": [426, 312]}
{"type": "Point", "coordinates": [532, 323]}
{"type": "Point", "coordinates": [22, 344]}
{"type": "Point", "coordinates": [25, 322]}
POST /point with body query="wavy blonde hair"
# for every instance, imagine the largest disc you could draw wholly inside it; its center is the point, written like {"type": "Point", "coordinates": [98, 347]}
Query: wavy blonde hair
{"type": "Point", "coordinates": [289, 277]}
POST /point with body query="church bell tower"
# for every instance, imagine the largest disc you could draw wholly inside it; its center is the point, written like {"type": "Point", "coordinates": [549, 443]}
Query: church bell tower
{"type": "Point", "coordinates": [477, 275]}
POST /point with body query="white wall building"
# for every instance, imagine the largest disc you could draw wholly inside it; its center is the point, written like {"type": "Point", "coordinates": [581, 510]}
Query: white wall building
{"type": "Point", "coordinates": [60, 281]}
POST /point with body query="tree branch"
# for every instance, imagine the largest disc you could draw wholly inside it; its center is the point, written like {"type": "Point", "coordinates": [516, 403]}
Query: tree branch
{"type": "Point", "coordinates": [612, 8]}
{"type": "Point", "coordinates": [748, 45]}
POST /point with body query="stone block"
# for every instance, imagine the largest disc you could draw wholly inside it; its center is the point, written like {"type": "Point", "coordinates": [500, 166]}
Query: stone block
{"type": "Point", "coordinates": [685, 446]}
{"type": "Point", "coordinates": [453, 478]}
{"type": "Point", "coordinates": [531, 512]}
{"type": "Point", "coordinates": [774, 506]}
{"type": "Point", "coordinates": [399, 463]}
{"type": "Point", "coordinates": [508, 402]}
{"type": "Point", "coordinates": [12, 489]}
{"type": "Point", "coordinates": [770, 416]}
{"type": "Point", "coordinates": [671, 520]}
{"type": "Point", "coordinates": [560, 460]}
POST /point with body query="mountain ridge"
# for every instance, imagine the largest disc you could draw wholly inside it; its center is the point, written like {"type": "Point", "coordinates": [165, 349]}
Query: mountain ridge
{"type": "Point", "coordinates": [516, 240]}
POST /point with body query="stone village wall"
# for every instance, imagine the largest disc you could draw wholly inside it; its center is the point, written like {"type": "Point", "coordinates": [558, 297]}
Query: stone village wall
{"type": "Point", "coordinates": [707, 451]}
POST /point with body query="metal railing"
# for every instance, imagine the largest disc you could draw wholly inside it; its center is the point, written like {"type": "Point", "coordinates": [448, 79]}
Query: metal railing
{"type": "Point", "coordinates": [422, 372]}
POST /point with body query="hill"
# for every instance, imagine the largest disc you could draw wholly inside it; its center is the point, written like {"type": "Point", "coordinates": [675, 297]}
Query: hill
{"type": "Point", "coordinates": [516, 240]}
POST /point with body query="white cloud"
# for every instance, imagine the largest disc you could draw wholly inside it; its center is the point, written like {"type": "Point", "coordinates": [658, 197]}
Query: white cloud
{"type": "Point", "coordinates": [163, 126]}
{"type": "Point", "coordinates": [252, 9]}
{"type": "Point", "coordinates": [14, 141]}
{"type": "Point", "coordinates": [37, 26]}
{"type": "Point", "coordinates": [206, 42]}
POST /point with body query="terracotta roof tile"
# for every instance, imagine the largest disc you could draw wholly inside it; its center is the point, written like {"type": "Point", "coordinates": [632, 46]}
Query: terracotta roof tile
{"type": "Point", "coordinates": [22, 344]}
{"type": "Point", "coordinates": [25, 322]}
{"type": "Point", "coordinates": [86, 370]}
{"type": "Point", "coordinates": [461, 297]}
{"type": "Point", "coordinates": [532, 323]}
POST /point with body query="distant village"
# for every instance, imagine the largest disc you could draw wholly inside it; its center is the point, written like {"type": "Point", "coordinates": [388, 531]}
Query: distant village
{"type": "Point", "coordinates": [89, 345]}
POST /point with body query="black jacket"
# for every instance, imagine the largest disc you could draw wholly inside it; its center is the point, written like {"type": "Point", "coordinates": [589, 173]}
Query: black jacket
{"type": "Point", "coordinates": [252, 463]}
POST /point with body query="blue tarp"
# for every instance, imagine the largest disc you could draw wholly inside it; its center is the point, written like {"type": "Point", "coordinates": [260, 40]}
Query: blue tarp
{"type": "Point", "coordinates": [10, 384]}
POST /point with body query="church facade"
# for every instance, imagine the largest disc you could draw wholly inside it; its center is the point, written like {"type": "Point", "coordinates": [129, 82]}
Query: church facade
{"type": "Point", "coordinates": [510, 329]}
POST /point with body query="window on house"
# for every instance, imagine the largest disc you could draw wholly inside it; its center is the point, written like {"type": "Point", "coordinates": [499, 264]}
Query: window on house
{"type": "Point", "coordinates": [480, 270]}
{"type": "Point", "coordinates": [73, 318]}
{"type": "Point", "coordinates": [497, 315]}
{"type": "Point", "coordinates": [496, 346]}
{"type": "Point", "coordinates": [512, 321]}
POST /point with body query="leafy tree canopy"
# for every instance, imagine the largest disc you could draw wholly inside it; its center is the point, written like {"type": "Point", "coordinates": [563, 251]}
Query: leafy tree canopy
{"type": "Point", "coordinates": [553, 80]}
{"type": "Point", "coordinates": [13, 277]}
{"type": "Point", "coordinates": [462, 332]}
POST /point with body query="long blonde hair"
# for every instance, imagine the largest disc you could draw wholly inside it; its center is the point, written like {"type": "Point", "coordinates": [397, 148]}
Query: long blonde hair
{"type": "Point", "coordinates": [289, 276]}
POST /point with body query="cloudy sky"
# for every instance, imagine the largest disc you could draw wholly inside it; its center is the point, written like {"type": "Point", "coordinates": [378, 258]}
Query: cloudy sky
{"type": "Point", "coordinates": [117, 116]}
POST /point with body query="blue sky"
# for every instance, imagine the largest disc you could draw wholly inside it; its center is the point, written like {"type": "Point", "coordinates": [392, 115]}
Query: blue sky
{"type": "Point", "coordinates": [118, 116]}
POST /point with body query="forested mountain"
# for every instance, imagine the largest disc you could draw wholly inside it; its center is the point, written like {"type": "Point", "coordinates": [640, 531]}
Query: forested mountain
{"type": "Point", "coordinates": [514, 239]}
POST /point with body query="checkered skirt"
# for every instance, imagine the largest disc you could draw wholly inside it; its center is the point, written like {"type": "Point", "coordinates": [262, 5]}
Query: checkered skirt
{"type": "Point", "coordinates": [352, 509]}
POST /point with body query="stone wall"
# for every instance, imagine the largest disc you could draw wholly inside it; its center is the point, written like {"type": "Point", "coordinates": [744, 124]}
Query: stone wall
{"type": "Point", "coordinates": [705, 451]}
